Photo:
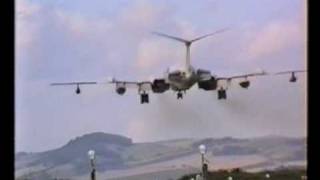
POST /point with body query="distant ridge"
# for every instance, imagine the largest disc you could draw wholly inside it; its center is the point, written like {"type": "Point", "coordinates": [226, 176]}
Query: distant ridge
{"type": "Point", "coordinates": [99, 137]}
{"type": "Point", "coordinates": [116, 152]}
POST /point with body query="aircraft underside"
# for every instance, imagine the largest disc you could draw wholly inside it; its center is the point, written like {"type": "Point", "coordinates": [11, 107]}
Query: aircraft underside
{"type": "Point", "coordinates": [182, 85]}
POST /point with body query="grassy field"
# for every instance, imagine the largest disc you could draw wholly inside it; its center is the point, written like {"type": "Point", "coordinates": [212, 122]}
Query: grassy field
{"type": "Point", "coordinates": [293, 174]}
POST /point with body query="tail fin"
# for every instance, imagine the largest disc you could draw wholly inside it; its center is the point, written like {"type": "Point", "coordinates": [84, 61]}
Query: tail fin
{"type": "Point", "coordinates": [188, 42]}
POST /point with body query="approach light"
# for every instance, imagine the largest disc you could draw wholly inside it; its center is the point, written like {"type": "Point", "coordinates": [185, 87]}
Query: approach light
{"type": "Point", "coordinates": [202, 149]}
{"type": "Point", "coordinates": [91, 154]}
{"type": "Point", "coordinates": [267, 176]}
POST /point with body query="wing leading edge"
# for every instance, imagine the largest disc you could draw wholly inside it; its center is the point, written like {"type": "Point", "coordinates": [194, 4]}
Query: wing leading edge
{"type": "Point", "coordinates": [77, 84]}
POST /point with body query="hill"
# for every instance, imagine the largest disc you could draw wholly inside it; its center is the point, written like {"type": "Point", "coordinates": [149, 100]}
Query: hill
{"type": "Point", "coordinates": [118, 156]}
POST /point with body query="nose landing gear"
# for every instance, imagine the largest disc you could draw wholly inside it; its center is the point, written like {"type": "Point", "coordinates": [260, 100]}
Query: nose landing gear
{"type": "Point", "coordinates": [222, 94]}
{"type": "Point", "coordinates": [180, 94]}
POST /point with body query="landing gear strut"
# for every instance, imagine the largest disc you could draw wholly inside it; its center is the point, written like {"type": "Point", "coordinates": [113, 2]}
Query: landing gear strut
{"type": "Point", "coordinates": [179, 95]}
{"type": "Point", "coordinates": [222, 94]}
{"type": "Point", "coordinates": [144, 98]}
{"type": "Point", "coordinates": [78, 91]}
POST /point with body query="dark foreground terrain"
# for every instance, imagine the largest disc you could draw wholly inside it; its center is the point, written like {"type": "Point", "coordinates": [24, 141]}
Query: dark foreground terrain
{"type": "Point", "coordinates": [284, 174]}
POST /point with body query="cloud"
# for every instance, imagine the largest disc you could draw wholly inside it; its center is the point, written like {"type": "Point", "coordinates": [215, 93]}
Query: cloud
{"type": "Point", "coordinates": [60, 44]}
{"type": "Point", "coordinates": [24, 8]}
{"type": "Point", "coordinates": [137, 129]}
{"type": "Point", "coordinates": [110, 41]}
{"type": "Point", "coordinates": [142, 15]}
{"type": "Point", "coordinates": [81, 27]}
{"type": "Point", "coordinates": [25, 29]}
{"type": "Point", "coordinates": [275, 37]}
{"type": "Point", "coordinates": [151, 53]}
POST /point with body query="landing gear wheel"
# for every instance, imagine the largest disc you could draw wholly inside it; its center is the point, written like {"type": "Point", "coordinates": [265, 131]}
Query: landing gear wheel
{"type": "Point", "coordinates": [144, 98]}
{"type": "Point", "coordinates": [179, 95]}
{"type": "Point", "coordinates": [222, 94]}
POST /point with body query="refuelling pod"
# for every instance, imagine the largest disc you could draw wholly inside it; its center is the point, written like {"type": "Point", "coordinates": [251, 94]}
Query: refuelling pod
{"type": "Point", "coordinates": [245, 84]}
{"type": "Point", "coordinates": [78, 91]}
{"type": "Point", "coordinates": [120, 89]}
{"type": "Point", "coordinates": [293, 78]}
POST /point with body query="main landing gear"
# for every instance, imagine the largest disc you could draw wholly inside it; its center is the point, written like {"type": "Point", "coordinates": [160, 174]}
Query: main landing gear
{"type": "Point", "coordinates": [144, 98]}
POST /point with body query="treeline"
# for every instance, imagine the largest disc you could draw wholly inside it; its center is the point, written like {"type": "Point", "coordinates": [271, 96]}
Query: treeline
{"type": "Point", "coordinates": [238, 174]}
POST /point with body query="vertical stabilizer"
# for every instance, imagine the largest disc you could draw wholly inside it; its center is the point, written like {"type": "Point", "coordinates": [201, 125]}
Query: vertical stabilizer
{"type": "Point", "coordinates": [188, 61]}
{"type": "Point", "coordinates": [188, 44]}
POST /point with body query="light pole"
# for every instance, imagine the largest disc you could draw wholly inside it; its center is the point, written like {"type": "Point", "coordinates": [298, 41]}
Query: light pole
{"type": "Point", "coordinates": [202, 149]}
{"type": "Point", "coordinates": [92, 157]}
{"type": "Point", "coordinates": [198, 177]}
{"type": "Point", "coordinates": [267, 175]}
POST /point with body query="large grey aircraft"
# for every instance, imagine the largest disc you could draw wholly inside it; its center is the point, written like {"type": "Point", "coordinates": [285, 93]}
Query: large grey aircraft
{"type": "Point", "coordinates": [180, 80]}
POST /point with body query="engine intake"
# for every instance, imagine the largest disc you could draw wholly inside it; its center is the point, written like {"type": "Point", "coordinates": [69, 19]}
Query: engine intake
{"type": "Point", "coordinates": [244, 84]}
{"type": "Point", "coordinates": [204, 74]}
{"type": "Point", "coordinates": [159, 86]}
{"type": "Point", "coordinates": [207, 85]}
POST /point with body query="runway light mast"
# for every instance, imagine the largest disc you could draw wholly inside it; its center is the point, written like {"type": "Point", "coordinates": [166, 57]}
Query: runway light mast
{"type": "Point", "coordinates": [202, 149]}
{"type": "Point", "coordinates": [91, 154]}
{"type": "Point", "coordinates": [267, 175]}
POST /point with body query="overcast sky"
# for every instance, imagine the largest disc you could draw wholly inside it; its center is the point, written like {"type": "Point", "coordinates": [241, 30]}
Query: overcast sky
{"type": "Point", "coordinates": [59, 41]}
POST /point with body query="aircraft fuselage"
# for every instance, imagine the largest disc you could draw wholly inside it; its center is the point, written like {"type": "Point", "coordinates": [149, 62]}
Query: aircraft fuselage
{"type": "Point", "coordinates": [181, 80]}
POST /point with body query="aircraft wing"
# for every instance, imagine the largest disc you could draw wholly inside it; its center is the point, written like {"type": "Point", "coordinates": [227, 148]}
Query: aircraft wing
{"type": "Point", "coordinates": [293, 77]}
{"type": "Point", "coordinates": [290, 72]}
{"type": "Point", "coordinates": [260, 74]}
{"type": "Point", "coordinates": [225, 82]}
{"type": "Point", "coordinates": [72, 83]}
{"type": "Point", "coordinates": [140, 85]}
{"type": "Point", "coordinates": [76, 83]}
{"type": "Point", "coordinates": [242, 76]}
